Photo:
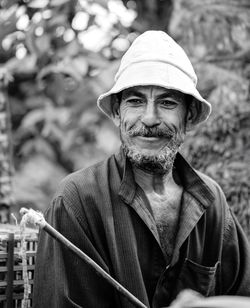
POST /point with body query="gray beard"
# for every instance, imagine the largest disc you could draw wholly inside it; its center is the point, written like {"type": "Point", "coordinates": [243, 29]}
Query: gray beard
{"type": "Point", "coordinates": [162, 163]}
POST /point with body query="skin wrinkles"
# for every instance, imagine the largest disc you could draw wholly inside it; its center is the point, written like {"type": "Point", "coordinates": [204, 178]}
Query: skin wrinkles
{"type": "Point", "coordinates": [150, 106]}
{"type": "Point", "coordinates": [152, 123]}
{"type": "Point", "coordinates": [144, 109]}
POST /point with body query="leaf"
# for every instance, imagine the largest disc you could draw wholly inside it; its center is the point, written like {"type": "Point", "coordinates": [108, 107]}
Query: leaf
{"type": "Point", "coordinates": [37, 145]}
{"type": "Point", "coordinates": [35, 186]}
{"type": "Point", "coordinates": [26, 65]}
{"type": "Point", "coordinates": [38, 4]}
{"type": "Point", "coordinates": [104, 81]}
{"type": "Point", "coordinates": [80, 63]}
{"type": "Point", "coordinates": [5, 78]}
{"type": "Point", "coordinates": [64, 67]}
{"type": "Point", "coordinates": [58, 2]}
{"type": "Point", "coordinates": [43, 43]}
{"type": "Point", "coordinates": [8, 14]}
{"type": "Point", "coordinates": [107, 133]}
{"type": "Point", "coordinates": [36, 101]}
{"type": "Point", "coordinates": [91, 20]}
{"type": "Point", "coordinates": [6, 4]}
{"type": "Point", "coordinates": [58, 20]}
{"type": "Point", "coordinates": [32, 118]}
{"type": "Point", "coordinates": [69, 50]}
{"type": "Point", "coordinates": [69, 140]}
{"type": "Point", "coordinates": [97, 60]}
{"type": "Point", "coordinates": [102, 3]}
{"type": "Point", "coordinates": [8, 21]}
{"type": "Point", "coordinates": [13, 38]}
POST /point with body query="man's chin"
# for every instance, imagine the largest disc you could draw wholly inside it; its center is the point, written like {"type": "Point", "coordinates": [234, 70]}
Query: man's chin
{"type": "Point", "coordinates": [159, 161]}
{"type": "Point", "coordinates": [149, 153]}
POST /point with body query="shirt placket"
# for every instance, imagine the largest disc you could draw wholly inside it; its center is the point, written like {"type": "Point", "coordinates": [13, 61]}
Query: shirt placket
{"type": "Point", "coordinates": [140, 205]}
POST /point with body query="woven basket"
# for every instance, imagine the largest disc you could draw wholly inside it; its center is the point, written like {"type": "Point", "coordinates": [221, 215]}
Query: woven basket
{"type": "Point", "coordinates": [11, 267]}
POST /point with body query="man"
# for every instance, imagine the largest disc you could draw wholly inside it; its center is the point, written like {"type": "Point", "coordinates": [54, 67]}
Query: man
{"type": "Point", "coordinates": [144, 215]}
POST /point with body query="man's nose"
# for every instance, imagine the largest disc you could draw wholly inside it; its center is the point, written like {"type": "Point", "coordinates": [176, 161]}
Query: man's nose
{"type": "Point", "coordinates": [150, 116]}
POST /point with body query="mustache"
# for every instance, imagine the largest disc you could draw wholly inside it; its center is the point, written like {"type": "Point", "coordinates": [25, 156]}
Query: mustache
{"type": "Point", "coordinates": [152, 131]}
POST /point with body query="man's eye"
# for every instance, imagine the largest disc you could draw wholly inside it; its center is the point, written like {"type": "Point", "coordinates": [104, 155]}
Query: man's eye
{"type": "Point", "coordinates": [170, 104]}
{"type": "Point", "coordinates": [134, 101]}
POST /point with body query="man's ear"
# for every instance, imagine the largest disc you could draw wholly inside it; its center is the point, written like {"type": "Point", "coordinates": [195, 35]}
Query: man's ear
{"type": "Point", "coordinates": [189, 120]}
{"type": "Point", "coordinates": [115, 111]}
{"type": "Point", "coordinates": [192, 114]}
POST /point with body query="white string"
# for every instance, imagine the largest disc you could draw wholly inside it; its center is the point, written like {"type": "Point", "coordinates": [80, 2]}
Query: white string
{"type": "Point", "coordinates": [14, 217]}
{"type": "Point", "coordinates": [22, 253]}
{"type": "Point", "coordinates": [33, 217]}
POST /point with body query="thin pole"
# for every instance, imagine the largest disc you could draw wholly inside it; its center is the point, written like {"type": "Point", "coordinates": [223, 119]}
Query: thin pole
{"type": "Point", "coordinates": [60, 238]}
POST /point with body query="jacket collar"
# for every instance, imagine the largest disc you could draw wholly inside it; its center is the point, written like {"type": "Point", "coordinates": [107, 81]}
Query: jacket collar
{"type": "Point", "coordinates": [128, 185]}
{"type": "Point", "coordinates": [190, 180]}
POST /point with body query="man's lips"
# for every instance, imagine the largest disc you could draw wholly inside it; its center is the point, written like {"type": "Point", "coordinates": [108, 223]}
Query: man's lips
{"type": "Point", "coordinates": [150, 142]}
{"type": "Point", "coordinates": [150, 138]}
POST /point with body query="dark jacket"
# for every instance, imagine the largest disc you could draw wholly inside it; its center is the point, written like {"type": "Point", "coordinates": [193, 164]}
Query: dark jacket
{"type": "Point", "coordinates": [99, 211]}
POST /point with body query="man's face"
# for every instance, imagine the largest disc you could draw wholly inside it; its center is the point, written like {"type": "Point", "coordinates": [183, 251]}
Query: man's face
{"type": "Point", "coordinates": [152, 125]}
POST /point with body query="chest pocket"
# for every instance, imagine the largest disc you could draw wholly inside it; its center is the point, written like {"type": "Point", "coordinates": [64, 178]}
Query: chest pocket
{"type": "Point", "coordinates": [197, 277]}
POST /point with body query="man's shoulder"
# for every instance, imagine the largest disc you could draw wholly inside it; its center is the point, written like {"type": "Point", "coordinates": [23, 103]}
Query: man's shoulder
{"type": "Point", "coordinates": [86, 178]}
{"type": "Point", "coordinates": [87, 172]}
{"type": "Point", "coordinates": [193, 177]}
{"type": "Point", "coordinates": [218, 209]}
{"type": "Point", "coordinates": [219, 196]}
{"type": "Point", "coordinates": [210, 182]}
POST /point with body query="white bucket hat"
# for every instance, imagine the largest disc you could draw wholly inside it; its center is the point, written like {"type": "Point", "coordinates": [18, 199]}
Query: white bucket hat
{"type": "Point", "coordinates": [154, 58]}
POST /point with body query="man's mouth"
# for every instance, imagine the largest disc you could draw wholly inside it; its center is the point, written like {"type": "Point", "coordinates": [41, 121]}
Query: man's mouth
{"type": "Point", "coordinates": [149, 137]}
{"type": "Point", "coordinates": [150, 142]}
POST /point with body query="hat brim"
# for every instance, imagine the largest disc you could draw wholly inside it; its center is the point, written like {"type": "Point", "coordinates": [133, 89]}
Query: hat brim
{"type": "Point", "coordinates": [156, 74]}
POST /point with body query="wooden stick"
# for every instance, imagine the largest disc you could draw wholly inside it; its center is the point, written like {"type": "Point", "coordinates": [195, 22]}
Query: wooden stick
{"type": "Point", "coordinates": [61, 239]}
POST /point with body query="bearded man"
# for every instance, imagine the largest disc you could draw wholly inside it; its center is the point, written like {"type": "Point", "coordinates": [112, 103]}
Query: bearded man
{"type": "Point", "coordinates": [144, 214]}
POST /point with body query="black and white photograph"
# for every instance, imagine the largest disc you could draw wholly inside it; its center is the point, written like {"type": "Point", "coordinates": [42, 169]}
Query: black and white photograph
{"type": "Point", "coordinates": [124, 154]}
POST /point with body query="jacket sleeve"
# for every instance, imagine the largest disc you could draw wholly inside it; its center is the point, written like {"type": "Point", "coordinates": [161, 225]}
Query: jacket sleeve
{"type": "Point", "coordinates": [61, 278]}
{"type": "Point", "coordinates": [235, 263]}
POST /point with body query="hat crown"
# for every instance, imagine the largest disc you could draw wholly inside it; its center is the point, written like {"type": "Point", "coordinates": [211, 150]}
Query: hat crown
{"type": "Point", "coordinates": [157, 46]}
{"type": "Point", "coordinates": [154, 58]}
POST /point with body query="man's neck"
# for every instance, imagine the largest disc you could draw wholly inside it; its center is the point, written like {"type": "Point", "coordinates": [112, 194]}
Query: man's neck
{"type": "Point", "coordinates": [154, 182]}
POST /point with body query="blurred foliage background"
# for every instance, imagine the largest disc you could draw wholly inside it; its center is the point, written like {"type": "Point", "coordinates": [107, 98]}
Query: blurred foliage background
{"type": "Point", "coordinates": [57, 56]}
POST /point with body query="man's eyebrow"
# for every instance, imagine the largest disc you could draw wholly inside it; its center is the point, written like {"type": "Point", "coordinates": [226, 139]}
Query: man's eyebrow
{"type": "Point", "coordinates": [170, 94]}
{"type": "Point", "coordinates": [134, 92]}
{"type": "Point", "coordinates": [126, 94]}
